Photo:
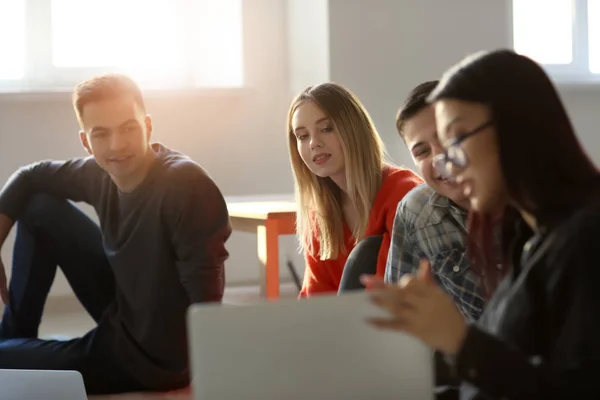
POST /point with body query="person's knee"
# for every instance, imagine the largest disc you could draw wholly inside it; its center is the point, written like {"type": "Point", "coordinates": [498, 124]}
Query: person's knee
{"type": "Point", "coordinates": [361, 260]}
{"type": "Point", "coordinates": [366, 253]}
{"type": "Point", "coordinates": [41, 207]}
{"type": "Point", "coordinates": [371, 242]}
{"type": "Point", "coordinates": [368, 248]}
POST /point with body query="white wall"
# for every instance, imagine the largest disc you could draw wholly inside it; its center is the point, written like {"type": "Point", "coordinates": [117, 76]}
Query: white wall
{"type": "Point", "coordinates": [380, 49]}
{"type": "Point", "coordinates": [582, 105]}
{"type": "Point", "coordinates": [308, 43]}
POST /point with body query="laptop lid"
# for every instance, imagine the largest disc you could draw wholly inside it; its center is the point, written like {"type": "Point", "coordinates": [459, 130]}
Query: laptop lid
{"type": "Point", "coordinates": [38, 384]}
{"type": "Point", "coordinates": [319, 348]}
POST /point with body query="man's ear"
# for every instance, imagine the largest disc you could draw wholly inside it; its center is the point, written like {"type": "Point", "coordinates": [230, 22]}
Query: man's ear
{"type": "Point", "coordinates": [85, 142]}
{"type": "Point", "coordinates": [149, 128]}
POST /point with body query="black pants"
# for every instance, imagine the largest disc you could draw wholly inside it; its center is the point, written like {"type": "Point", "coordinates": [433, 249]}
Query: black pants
{"type": "Point", "coordinates": [361, 260]}
{"type": "Point", "coordinates": [51, 233]}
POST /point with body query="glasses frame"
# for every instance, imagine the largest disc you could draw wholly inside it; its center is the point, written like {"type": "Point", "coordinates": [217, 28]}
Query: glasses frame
{"type": "Point", "coordinates": [454, 155]}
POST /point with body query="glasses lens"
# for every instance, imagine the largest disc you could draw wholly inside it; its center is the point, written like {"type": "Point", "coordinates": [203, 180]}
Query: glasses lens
{"type": "Point", "coordinates": [440, 164]}
{"type": "Point", "coordinates": [457, 157]}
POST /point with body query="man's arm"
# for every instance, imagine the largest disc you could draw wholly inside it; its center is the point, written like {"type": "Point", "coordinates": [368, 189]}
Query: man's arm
{"type": "Point", "coordinates": [197, 216]}
{"type": "Point", "coordinates": [74, 180]}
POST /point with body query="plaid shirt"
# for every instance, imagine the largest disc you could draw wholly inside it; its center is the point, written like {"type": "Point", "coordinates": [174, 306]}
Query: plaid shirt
{"type": "Point", "coordinates": [428, 225]}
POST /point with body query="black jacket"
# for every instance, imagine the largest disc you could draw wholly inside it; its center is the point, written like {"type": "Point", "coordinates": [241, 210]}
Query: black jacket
{"type": "Point", "coordinates": [539, 336]}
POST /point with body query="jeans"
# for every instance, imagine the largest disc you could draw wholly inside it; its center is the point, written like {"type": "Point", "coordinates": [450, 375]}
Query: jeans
{"type": "Point", "coordinates": [361, 260]}
{"type": "Point", "coordinates": [52, 232]}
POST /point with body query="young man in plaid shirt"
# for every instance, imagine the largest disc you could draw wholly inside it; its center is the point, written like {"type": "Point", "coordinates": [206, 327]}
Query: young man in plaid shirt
{"type": "Point", "coordinates": [431, 220]}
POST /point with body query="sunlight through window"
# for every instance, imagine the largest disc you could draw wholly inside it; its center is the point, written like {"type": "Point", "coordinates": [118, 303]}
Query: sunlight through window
{"type": "Point", "coordinates": [157, 42]}
{"type": "Point", "coordinates": [218, 59]}
{"type": "Point", "coordinates": [141, 38]}
{"type": "Point", "coordinates": [12, 39]}
{"type": "Point", "coordinates": [594, 35]}
{"type": "Point", "coordinates": [543, 30]}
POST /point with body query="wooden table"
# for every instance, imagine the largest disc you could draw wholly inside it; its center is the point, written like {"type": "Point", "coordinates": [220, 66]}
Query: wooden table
{"type": "Point", "coordinates": [269, 217]}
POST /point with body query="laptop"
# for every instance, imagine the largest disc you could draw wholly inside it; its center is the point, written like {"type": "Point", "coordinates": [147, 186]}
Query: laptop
{"type": "Point", "coordinates": [317, 348]}
{"type": "Point", "coordinates": [37, 384]}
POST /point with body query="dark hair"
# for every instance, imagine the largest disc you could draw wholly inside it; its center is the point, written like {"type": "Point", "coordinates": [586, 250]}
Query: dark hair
{"type": "Point", "coordinates": [103, 87]}
{"type": "Point", "coordinates": [414, 103]}
{"type": "Point", "coordinates": [546, 171]}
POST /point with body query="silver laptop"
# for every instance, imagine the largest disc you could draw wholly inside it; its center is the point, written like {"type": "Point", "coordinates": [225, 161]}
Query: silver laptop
{"type": "Point", "coordinates": [34, 384]}
{"type": "Point", "coordinates": [320, 348]}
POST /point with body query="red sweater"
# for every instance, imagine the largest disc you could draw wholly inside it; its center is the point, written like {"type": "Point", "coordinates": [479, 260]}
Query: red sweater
{"type": "Point", "coordinates": [324, 276]}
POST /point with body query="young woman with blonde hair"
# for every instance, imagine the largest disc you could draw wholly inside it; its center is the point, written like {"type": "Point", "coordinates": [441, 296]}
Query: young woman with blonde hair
{"type": "Point", "coordinates": [347, 194]}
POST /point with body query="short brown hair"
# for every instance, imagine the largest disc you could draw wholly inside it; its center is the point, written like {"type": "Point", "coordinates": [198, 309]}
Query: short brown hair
{"type": "Point", "coordinates": [103, 87]}
{"type": "Point", "coordinates": [414, 103]}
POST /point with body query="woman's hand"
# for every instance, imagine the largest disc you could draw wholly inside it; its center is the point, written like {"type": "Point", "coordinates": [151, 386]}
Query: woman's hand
{"type": "Point", "coordinates": [418, 306]}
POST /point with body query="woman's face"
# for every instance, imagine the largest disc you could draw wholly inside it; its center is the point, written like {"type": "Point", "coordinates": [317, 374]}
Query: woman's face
{"type": "Point", "coordinates": [318, 143]}
{"type": "Point", "coordinates": [469, 139]}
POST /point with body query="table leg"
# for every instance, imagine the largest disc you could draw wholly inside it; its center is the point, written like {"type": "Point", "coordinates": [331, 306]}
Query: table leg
{"type": "Point", "coordinates": [268, 254]}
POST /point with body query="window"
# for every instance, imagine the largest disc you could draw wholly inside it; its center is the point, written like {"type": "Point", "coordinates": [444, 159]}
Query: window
{"type": "Point", "coordinates": [594, 35]}
{"type": "Point", "coordinates": [12, 39]}
{"type": "Point", "coordinates": [562, 35]}
{"type": "Point", "coordinates": [163, 44]}
{"type": "Point", "coordinates": [548, 39]}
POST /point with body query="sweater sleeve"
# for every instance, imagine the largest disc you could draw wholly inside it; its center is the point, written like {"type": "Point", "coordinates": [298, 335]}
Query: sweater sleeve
{"type": "Point", "coordinates": [196, 214]}
{"type": "Point", "coordinates": [77, 180]}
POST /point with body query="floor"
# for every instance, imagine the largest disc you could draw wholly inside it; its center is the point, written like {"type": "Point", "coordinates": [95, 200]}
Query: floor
{"type": "Point", "coordinates": [65, 318]}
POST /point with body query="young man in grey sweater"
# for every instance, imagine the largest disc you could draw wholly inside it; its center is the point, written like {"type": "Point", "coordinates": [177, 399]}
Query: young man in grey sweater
{"type": "Point", "coordinates": [160, 247]}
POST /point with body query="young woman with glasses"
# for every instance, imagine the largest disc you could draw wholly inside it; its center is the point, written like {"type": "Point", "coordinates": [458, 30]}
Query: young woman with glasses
{"type": "Point", "coordinates": [510, 144]}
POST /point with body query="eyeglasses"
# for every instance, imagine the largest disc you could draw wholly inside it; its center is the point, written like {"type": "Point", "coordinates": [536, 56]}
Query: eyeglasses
{"type": "Point", "coordinates": [454, 155]}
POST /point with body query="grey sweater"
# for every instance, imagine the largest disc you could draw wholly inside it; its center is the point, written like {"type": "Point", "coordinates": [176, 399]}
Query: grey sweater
{"type": "Point", "coordinates": [165, 242]}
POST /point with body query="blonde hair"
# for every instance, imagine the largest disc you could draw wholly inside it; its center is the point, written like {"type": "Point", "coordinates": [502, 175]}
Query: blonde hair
{"type": "Point", "coordinates": [320, 199]}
